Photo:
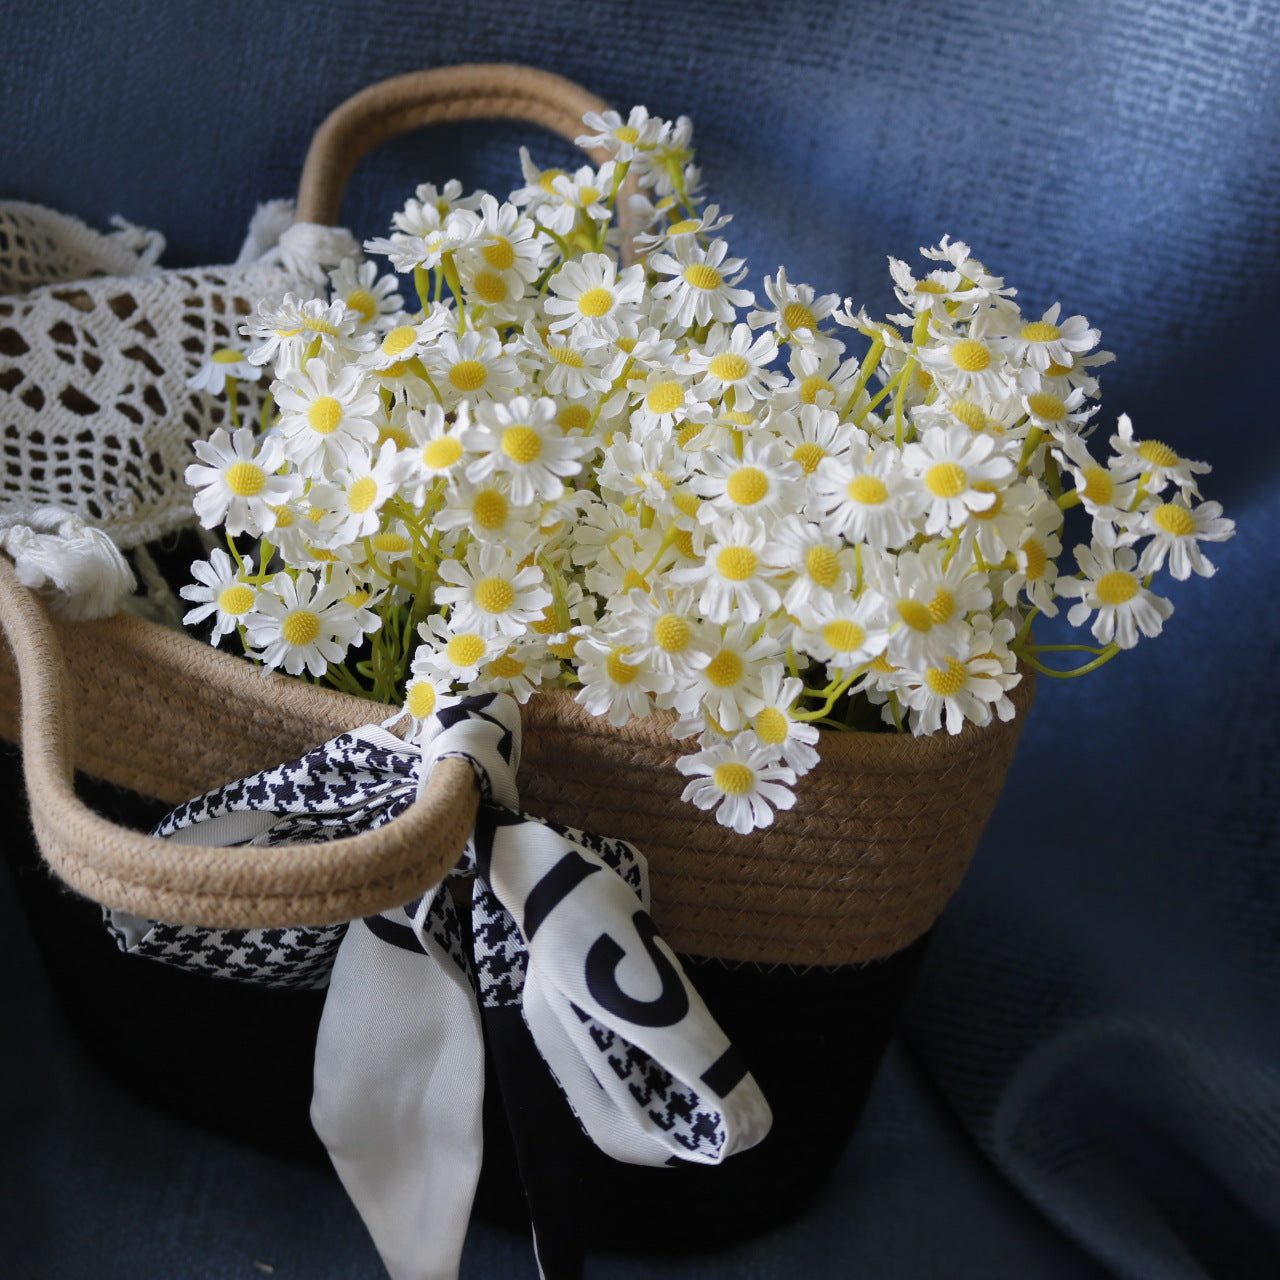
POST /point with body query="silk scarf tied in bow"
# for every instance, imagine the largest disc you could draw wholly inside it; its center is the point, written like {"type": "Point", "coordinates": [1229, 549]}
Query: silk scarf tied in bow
{"type": "Point", "coordinates": [559, 929]}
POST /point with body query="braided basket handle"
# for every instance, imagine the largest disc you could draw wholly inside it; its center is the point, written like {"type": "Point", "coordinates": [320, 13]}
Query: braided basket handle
{"type": "Point", "coordinates": [135, 680]}
{"type": "Point", "coordinates": [473, 91]}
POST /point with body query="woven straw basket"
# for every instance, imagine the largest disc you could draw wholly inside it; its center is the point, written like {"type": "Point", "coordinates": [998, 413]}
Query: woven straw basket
{"type": "Point", "coordinates": [880, 837]}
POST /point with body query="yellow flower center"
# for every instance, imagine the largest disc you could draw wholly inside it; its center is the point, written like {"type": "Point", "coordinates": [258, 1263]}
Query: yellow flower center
{"type": "Point", "coordinates": [1037, 559]}
{"type": "Point", "coordinates": [687, 434]}
{"type": "Point", "coordinates": [811, 386]}
{"type": "Point", "coordinates": [396, 370]}
{"type": "Point", "coordinates": [684, 226]}
{"type": "Point", "coordinates": [300, 627]}
{"type": "Point", "coordinates": [1044, 404]}
{"type": "Point", "coordinates": [930, 286]}
{"type": "Point", "coordinates": [808, 455]}
{"type": "Point", "coordinates": [284, 517]}
{"type": "Point", "coordinates": [364, 302]}
{"type": "Point", "coordinates": [566, 356]}
{"type": "Point", "coordinates": [747, 486]}
{"type": "Point", "coordinates": [244, 479]}
{"type": "Point", "coordinates": [1173, 519]}
{"type": "Point", "coordinates": [822, 565]}
{"type": "Point", "coordinates": [521, 444]}
{"type": "Point", "coordinates": [946, 684]}
{"type": "Point", "coordinates": [736, 563]}
{"type": "Point", "coordinates": [390, 544]}
{"type": "Point", "coordinates": [588, 195]}
{"type": "Point", "coordinates": [627, 133]}
{"type": "Point", "coordinates": [995, 508]}
{"type": "Point", "coordinates": [495, 595]}
{"type": "Point", "coordinates": [771, 726]}
{"type": "Point", "coordinates": [915, 615]}
{"type": "Point", "coordinates": [357, 599]}
{"type": "Point", "coordinates": [595, 302]}
{"type": "Point", "coordinates": [491, 287]}
{"type": "Point", "coordinates": [1040, 331]}
{"type": "Point", "coordinates": [621, 672]}
{"type": "Point", "coordinates": [420, 701]}
{"type": "Point", "coordinates": [970, 356]}
{"type": "Point", "coordinates": [702, 276]}
{"type": "Point", "coordinates": [946, 480]}
{"type": "Point", "coordinates": [883, 665]}
{"type": "Point", "coordinates": [1158, 454]}
{"type": "Point", "coordinates": [729, 366]}
{"type": "Point", "coordinates": [399, 340]}
{"type": "Point", "coordinates": [490, 509]}
{"type": "Point", "coordinates": [942, 606]}
{"type": "Point", "coordinates": [322, 326]}
{"type": "Point", "coordinates": [973, 416]}
{"type": "Point", "coordinates": [725, 669]}
{"type": "Point", "coordinates": [733, 779]}
{"type": "Point", "coordinates": [843, 635]}
{"type": "Point", "coordinates": [868, 490]}
{"type": "Point", "coordinates": [507, 667]}
{"type": "Point", "coordinates": [795, 315]}
{"type": "Point", "coordinates": [465, 650]}
{"type": "Point", "coordinates": [468, 375]}
{"type": "Point", "coordinates": [1056, 370]}
{"type": "Point", "coordinates": [236, 600]}
{"type": "Point", "coordinates": [1099, 487]}
{"type": "Point", "coordinates": [683, 542]}
{"type": "Point", "coordinates": [224, 355]}
{"type": "Point", "coordinates": [499, 254]}
{"type": "Point", "coordinates": [362, 495]}
{"type": "Point", "coordinates": [397, 435]}
{"type": "Point", "coordinates": [1117, 587]}
{"type": "Point", "coordinates": [574, 417]}
{"type": "Point", "coordinates": [324, 415]}
{"type": "Point", "coordinates": [442, 452]}
{"type": "Point", "coordinates": [666, 397]}
{"type": "Point", "coordinates": [671, 633]}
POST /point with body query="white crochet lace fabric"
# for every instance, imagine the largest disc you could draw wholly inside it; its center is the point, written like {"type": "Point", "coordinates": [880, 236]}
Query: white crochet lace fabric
{"type": "Point", "coordinates": [96, 346]}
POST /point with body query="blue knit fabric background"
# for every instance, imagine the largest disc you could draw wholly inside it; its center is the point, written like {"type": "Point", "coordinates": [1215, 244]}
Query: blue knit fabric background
{"type": "Point", "coordinates": [1087, 1082]}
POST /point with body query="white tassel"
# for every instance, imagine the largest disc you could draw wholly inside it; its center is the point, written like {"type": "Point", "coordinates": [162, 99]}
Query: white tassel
{"type": "Point", "coordinates": [54, 548]}
{"type": "Point", "coordinates": [269, 222]}
{"type": "Point", "coordinates": [308, 250]}
{"type": "Point", "coordinates": [147, 244]}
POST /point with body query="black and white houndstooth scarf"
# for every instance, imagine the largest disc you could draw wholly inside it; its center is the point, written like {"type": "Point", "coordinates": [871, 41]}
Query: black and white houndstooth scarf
{"type": "Point", "coordinates": [559, 929]}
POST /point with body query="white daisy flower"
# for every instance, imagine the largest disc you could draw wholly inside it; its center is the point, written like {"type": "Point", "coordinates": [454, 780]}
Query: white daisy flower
{"type": "Point", "coordinates": [487, 512]}
{"type": "Point", "coordinates": [424, 694]}
{"type": "Point", "coordinates": [965, 362]}
{"type": "Point", "coordinates": [236, 483]}
{"type": "Point", "coordinates": [1044, 342]}
{"type": "Point", "coordinates": [797, 310]}
{"type": "Point", "coordinates": [734, 361]}
{"type": "Point", "coordinates": [728, 672]}
{"type": "Point", "coordinates": [1176, 531]}
{"type": "Point", "coordinates": [523, 440]}
{"type": "Point", "coordinates": [426, 237]}
{"type": "Point", "coordinates": [761, 484]}
{"type": "Point", "coordinates": [844, 632]}
{"type": "Point", "coordinates": [223, 365]}
{"type": "Point", "coordinates": [587, 190]}
{"type": "Point", "coordinates": [1035, 572]}
{"type": "Point", "coordinates": [454, 653]}
{"type": "Point", "coordinates": [325, 417]}
{"type": "Point", "coordinates": [616, 683]}
{"type": "Point", "coordinates": [969, 688]}
{"type": "Point", "coordinates": [359, 288]}
{"type": "Point", "coordinates": [304, 624]}
{"type": "Point", "coordinates": [661, 401]}
{"type": "Point", "coordinates": [702, 225]}
{"type": "Point", "coordinates": [437, 447]}
{"type": "Point", "coordinates": [590, 293]}
{"type": "Point", "coordinates": [507, 244]}
{"type": "Point", "coordinates": [819, 377]}
{"type": "Point", "coordinates": [663, 630]}
{"type": "Point", "coordinates": [1058, 416]}
{"type": "Point", "coordinates": [1110, 585]}
{"type": "Point", "coordinates": [572, 365]}
{"type": "Point", "coordinates": [1000, 528]}
{"type": "Point", "coordinates": [867, 498]}
{"type": "Point", "coordinates": [408, 341]}
{"type": "Point", "coordinates": [491, 594]}
{"type": "Point", "coordinates": [475, 366]}
{"type": "Point", "coordinates": [701, 287]}
{"type": "Point", "coordinates": [739, 572]}
{"type": "Point", "coordinates": [813, 433]}
{"type": "Point", "coordinates": [650, 469]}
{"type": "Point", "coordinates": [1107, 493]}
{"type": "Point", "coordinates": [219, 589]}
{"type": "Point", "coordinates": [622, 137]}
{"type": "Point", "coordinates": [928, 603]}
{"type": "Point", "coordinates": [741, 780]}
{"type": "Point", "coordinates": [352, 502]}
{"type": "Point", "coordinates": [774, 726]}
{"type": "Point", "coordinates": [1154, 461]}
{"type": "Point", "coordinates": [285, 329]}
{"type": "Point", "coordinates": [950, 463]}
{"type": "Point", "coordinates": [820, 564]}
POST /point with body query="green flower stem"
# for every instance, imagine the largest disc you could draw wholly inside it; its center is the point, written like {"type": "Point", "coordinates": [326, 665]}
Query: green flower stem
{"type": "Point", "coordinates": [422, 286]}
{"type": "Point", "coordinates": [232, 407]}
{"type": "Point", "coordinates": [1029, 447]}
{"type": "Point", "coordinates": [1026, 653]}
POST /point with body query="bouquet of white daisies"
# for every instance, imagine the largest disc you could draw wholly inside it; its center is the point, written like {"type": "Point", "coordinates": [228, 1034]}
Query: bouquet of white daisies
{"type": "Point", "coordinates": [570, 461]}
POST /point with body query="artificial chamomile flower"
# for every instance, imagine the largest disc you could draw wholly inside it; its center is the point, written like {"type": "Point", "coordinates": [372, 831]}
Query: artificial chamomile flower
{"type": "Point", "coordinates": [236, 481]}
{"type": "Point", "coordinates": [740, 780]}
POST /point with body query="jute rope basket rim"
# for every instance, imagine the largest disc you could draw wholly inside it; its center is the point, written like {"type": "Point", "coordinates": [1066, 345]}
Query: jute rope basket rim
{"type": "Point", "coordinates": [878, 841]}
